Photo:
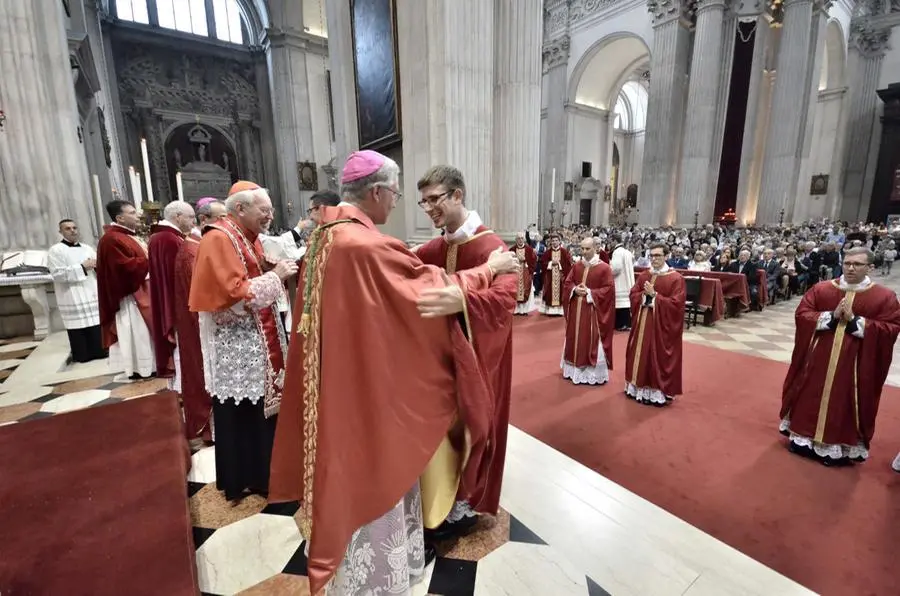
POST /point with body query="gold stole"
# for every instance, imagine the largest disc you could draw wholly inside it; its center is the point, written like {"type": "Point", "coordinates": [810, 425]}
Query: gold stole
{"type": "Point", "coordinates": [520, 290]}
{"type": "Point", "coordinates": [840, 333]}
{"type": "Point", "coordinates": [642, 320]}
{"type": "Point", "coordinates": [555, 285]}
{"type": "Point", "coordinates": [578, 304]}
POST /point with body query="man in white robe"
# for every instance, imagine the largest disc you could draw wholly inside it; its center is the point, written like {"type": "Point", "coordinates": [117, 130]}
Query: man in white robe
{"type": "Point", "coordinates": [72, 264]}
{"type": "Point", "coordinates": [622, 263]}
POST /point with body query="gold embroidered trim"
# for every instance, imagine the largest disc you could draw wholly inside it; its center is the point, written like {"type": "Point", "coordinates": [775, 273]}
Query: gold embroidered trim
{"type": "Point", "coordinates": [640, 337]}
{"type": "Point", "coordinates": [520, 288]}
{"type": "Point", "coordinates": [555, 282]}
{"type": "Point", "coordinates": [311, 371]}
{"type": "Point", "coordinates": [839, 335]}
{"type": "Point", "coordinates": [452, 251]}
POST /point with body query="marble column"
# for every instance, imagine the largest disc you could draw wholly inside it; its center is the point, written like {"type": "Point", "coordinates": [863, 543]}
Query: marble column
{"type": "Point", "coordinates": [868, 46]}
{"type": "Point", "coordinates": [517, 115]}
{"type": "Point", "coordinates": [790, 101]}
{"type": "Point", "coordinates": [727, 60]}
{"type": "Point", "coordinates": [43, 173]}
{"type": "Point", "coordinates": [343, 85]}
{"type": "Point", "coordinates": [755, 125]}
{"type": "Point", "coordinates": [700, 118]}
{"type": "Point", "coordinates": [446, 89]}
{"type": "Point", "coordinates": [556, 130]}
{"type": "Point", "coordinates": [665, 111]}
{"type": "Point", "coordinates": [816, 53]}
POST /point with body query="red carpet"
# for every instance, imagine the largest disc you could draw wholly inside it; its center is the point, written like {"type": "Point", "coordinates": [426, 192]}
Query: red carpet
{"type": "Point", "coordinates": [94, 502]}
{"type": "Point", "coordinates": [715, 459]}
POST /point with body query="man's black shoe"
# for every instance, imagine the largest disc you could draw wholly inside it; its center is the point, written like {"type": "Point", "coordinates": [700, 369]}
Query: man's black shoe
{"type": "Point", "coordinates": [448, 530]}
{"type": "Point", "coordinates": [430, 554]}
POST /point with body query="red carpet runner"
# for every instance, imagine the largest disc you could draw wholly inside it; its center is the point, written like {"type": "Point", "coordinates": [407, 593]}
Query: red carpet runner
{"type": "Point", "coordinates": [715, 459]}
{"type": "Point", "coordinates": [94, 502]}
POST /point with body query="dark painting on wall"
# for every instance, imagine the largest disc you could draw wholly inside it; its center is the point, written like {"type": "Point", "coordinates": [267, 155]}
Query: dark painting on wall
{"type": "Point", "coordinates": [376, 73]}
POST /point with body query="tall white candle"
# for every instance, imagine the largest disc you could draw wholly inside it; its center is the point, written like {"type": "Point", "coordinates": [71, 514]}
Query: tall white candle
{"type": "Point", "coordinates": [146, 169]}
{"type": "Point", "coordinates": [180, 187]}
{"type": "Point", "coordinates": [553, 187]}
{"type": "Point", "coordinates": [132, 182]}
{"type": "Point", "coordinates": [138, 198]}
{"type": "Point", "coordinates": [98, 200]}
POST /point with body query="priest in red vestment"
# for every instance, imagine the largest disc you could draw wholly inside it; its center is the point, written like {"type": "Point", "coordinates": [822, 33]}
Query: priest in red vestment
{"type": "Point", "coordinates": [590, 294]}
{"type": "Point", "coordinates": [467, 243]}
{"type": "Point", "coordinates": [124, 293]}
{"type": "Point", "coordinates": [555, 264]}
{"type": "Point", "coordinates": [189, 382]}
{"type": "Point", "coordinates": [653, 352]}
{"type": "Point", "coordinates": [166, 238]}
{"type": "Point", "coordinates": [351, 447]}
{"type": "Point", "coordinates": [524, 285]}
{"type": "Point", "coordinates": [846, 329]}
{"type": "Point", "coordinates": [243, 343]}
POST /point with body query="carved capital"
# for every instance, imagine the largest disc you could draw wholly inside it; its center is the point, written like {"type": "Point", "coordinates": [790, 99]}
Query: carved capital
{"type": "Point", "coordinates": [870, 40]}
{"type": "Point", "coordinates": [556, 53]}
{"type": "Point", "coordinates": [556, 19]}
{"type": "Point", "coordinates": [665, 11]}
{"type": "Point", "coordinates": [581, 9]}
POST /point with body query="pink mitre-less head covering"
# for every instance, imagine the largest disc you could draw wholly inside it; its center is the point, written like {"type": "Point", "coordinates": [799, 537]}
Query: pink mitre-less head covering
{"type": "Point", "coordinates": [361, 164]}
{"type": "Point", "coordinates": [205, 201]}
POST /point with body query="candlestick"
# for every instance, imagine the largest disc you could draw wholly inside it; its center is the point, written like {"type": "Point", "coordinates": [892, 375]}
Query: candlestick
{"type": "Point", "coordinates": [146, 169]}
{"type": "Point", "coordinates": [179, 186]}
{"type": "Point", "coordinates": [553, 187]}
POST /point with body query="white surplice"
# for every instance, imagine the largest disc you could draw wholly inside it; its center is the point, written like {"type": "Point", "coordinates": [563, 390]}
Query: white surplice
{"type": "Point", "coordinates": [622, 264]}
{"type": "Point", "coordinates": [133, 353]}
{"type": "Point", "coordinates": [76, 289]}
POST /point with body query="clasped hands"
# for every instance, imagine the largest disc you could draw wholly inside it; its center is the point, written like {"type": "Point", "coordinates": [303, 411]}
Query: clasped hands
{"type": "Point", "coordinates": [648, 289]}
{"type": "Point", "coordinates": [450, 300]}
{"type": "Point", "coordinates": [581, 290]}
{"type": "Point", "coordinates": [843, 312]}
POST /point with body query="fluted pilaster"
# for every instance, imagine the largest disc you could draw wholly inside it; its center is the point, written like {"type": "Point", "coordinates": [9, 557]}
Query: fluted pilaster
{"type": "Point", "coordinates": [702, 103]}
{"type": "Point", "coordinates": [867, 50]}
{"type": "Point", "coordinates": [43, 174]}
{"type": "Point", "coordinates": [789, 103]}
{"type": "Point", "coordinates": [754, 140]}
{"type": "Point", "coordinates": [728, 32]}
{"type": "Point", "coordinates": [517, 114]}
{"type": "Point", "coordinates": [555, 129]}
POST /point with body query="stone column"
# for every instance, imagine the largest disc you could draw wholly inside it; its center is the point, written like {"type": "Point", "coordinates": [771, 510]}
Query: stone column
{"type": "Point", "coordinates": [789, 103]}
{"type": "Point", "coordinates": [556, 129]}
{"type": "Point", "coordinates": [755, 125]}
{"type": "Point", "coordinates": [700, 119]}
{"type": "Point", "coordinates": [517, 115]}
{"type": "Point", "coordinates": [43, 174]}
{"type": "Point", "coordinates": [816, 53]}
{"type": "Point", "coordinates": [665, 111]}
{"type": "Point", "coordinates": [728, 32]}
{"type": "Point", "coordinates": [868, 46]}
{"type": "Point", "coordinates": [343, 93]}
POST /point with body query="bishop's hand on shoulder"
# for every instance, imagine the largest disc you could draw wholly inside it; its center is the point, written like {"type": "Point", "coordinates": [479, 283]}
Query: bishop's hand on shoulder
{"type": "Point", "coordinates": [501, 261]}
{"type": "Point", "coordinates": [441, 302]}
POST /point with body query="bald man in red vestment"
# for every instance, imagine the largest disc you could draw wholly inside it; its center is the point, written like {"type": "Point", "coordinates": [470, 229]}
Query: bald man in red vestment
{"type": "Point", "coordinates": [166, 238]}
{"type": "Point", "coordinates": [590, 294]}
{"type": "Point", "coordinates": [653, 352]}
{"type": "Point", "coordinates": [555, 264]}
{"type": "Point", "coordinates": [846, 329]}
{"type": "Point", "coordinates": [124, 293]}
{"type": "Point", "coordinates": [467, 243]}
{"type": "Point", "coordinates": [351, 447]}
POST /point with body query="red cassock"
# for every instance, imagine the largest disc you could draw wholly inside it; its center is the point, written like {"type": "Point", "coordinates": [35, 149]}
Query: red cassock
{"type": "Point", "coordinates": [833, 386]}
{"type": "Point", "coordinates": [526, 274]}
{"type": "Point", "coordinates": [653, 353]}
{"type": "Point", "coordinates": [197, 402]}
{"type": "Point", "coordinates": [555, 276]}
{"type": "Point", "coordinates": [164, 244]}
{"type": "Point", "coordinates": [488, 321]}
{"type": "Point", "coordinates": [589, 323]}
{"type": "Point", "coordinates": [604, 256]}
{"type": "Point", "coordinates": [122, 267]}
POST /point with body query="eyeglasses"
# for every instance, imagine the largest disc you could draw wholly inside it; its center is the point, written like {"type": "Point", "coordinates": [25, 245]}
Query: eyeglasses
{"type": "Point", "coordinates": [396, 193]}
{"type": "Point", "coordinates": [434, 200]}
{"type": "Point", "coordinates": [853, 265]}
{"type": "Point", "coordinates": [656, 255]}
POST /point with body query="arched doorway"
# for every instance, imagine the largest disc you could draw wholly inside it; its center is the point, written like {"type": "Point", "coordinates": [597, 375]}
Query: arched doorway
{"type": "Point", "coordinates": [206, 159]}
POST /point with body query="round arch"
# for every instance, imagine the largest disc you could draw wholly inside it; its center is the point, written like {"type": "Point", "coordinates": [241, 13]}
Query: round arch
{"type": "Point", "coordinates": [256, 17]}
{"type": "Point", "coordinates": [601, 70]}
{"type": "Point", "coordinates": [834, 59]}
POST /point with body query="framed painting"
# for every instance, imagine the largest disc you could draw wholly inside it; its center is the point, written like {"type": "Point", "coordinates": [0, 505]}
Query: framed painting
{"type": "Point", "coordinates": [308, 176]}
{"type": "Point", "coordinates": [819, 185]}
{"type": "Point", "coordinates": [376, 72]}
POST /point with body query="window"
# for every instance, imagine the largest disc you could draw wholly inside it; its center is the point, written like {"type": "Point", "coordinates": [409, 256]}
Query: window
{"type": "Point", "coordinates": [621, 111]}
{"type": "Point", "coordinates": [133, 10]}
{"type": "Point", "coordinates": [188, 16]}
{"type": "Point", "coordinates": [228, 21]}
{"type": "Point", "coordinates": [631, 107]}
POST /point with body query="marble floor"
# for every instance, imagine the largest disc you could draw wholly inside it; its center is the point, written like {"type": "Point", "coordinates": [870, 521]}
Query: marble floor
{"type": "Point", "coordinates": [564, 529]}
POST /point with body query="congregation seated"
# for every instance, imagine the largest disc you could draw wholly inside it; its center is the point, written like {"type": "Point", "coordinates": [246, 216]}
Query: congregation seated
{"type": "Point", "coordinates": [747, 267]}
{"type": "Point", "coordinates": [699, 262]}
{"type": "Point", "coordinates": [772, 267]}
{"type": "Point", "coordinates": [677, 261]}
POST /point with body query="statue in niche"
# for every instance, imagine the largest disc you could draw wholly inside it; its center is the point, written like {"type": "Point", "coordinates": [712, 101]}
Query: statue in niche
{"type": "Point", "coordinates": [177, 156]}
{"type": "Point", "coordinates": [201, 151]}
{"type": "Point", "coordinates": [225, 162]}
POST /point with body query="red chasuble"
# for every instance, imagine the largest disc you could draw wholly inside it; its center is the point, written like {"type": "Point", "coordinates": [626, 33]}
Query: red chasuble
{"type": "Point", "coordinates": [526, 274]}
{"type": "Point", "coordinates": [122, 267]}
{"type": "Point", "coordinates": [553, 276]}
{"type": "Point", "coordinates": [197, 402]}
{"type": "Point", "coordinates": [653, 353]}
{"type": "Point", "coordinates": [488, 317]}
{"type": "Point", "coordinates": [350, 446]}
{"type": "Point", "coordinates": [833, 386]}
{"type": "Point", "coordinates": [163, 246]}
{"type": "Point", "coordinates": [589, 323]}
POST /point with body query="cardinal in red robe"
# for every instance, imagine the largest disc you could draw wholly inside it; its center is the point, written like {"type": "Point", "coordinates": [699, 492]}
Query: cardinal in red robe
{"type": "Point", "coordinates": [467, 243]}
{"type": "Point", "coordinates": [555, 264]}
{"type": "Point", "coordinates": [846, 329]}
{"type": "Point", "coordinates": [590, 319]}
{"type": "Point", "coordinates": [351, 447]}
{"type": "Point", "coordinates": [124, 294]}
{"type": "Point", "coordinates": [166, 238]}
{"type": "Point", "coordinates": [524, 284]}
{"type": "Point", "coordinates": [653, 352]}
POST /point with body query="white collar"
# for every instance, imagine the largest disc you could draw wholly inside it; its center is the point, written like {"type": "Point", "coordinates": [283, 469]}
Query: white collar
{"type": "Point", "coordinates": [865, 283]}
{"type": "Point", "coordinates": [123, 227]}
{"type": "Point", "coordinates": [593, 261]}
{"type": "Point", "coordinates": [663, 269]}
{"type": "Point", "coordinates": [466, 230]}
{"type": "Point", "coordinates": [166, 222]}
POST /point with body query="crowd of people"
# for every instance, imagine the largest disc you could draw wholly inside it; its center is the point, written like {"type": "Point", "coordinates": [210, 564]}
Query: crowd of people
{"type": "Point", "coordinates": [285, 348]}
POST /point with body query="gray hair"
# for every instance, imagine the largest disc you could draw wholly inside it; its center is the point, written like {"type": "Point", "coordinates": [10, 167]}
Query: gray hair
{"type": "Point", "coordinates": [206, 209]}
{"type": "Point", "coordinates": [176, 208]}
{"type": "Point", "coordinates": [388, 173]}
{"type": "Point", "coordinates": [245, 197]}
{"type": "Point", "coordinates": [861, 250]}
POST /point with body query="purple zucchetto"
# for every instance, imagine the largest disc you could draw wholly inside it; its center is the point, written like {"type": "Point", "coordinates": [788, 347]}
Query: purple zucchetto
{"type": "Point", "coordinates": [361, 164]}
